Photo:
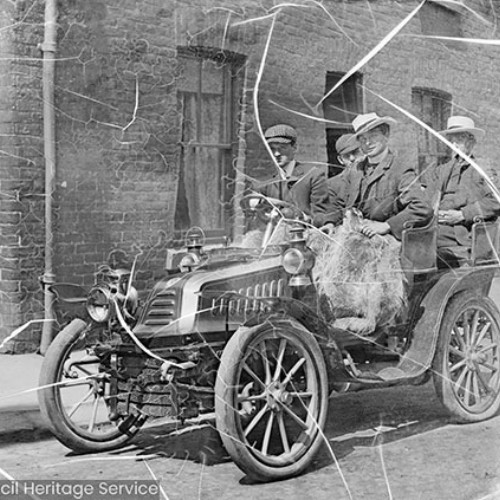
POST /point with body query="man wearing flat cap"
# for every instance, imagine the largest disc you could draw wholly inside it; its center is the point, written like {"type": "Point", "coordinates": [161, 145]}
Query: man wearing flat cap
{"type": "Point", "coordinates": [298, 183]}
{"type": "Point", "coordinates": [349, 154]}
{"type": "Point", "coordinates": [348, 151]}
{"type": "Point", "coordinates": [461, 192]}
{"type": "Point", "coordinates": [382, 186]}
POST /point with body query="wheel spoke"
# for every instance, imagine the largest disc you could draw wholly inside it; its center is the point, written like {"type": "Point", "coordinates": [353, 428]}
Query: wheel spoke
{"type": "Point", "coordinates": [294, 416]}
{"type": "Point", "coordinates": [284, 437]}
{"type": "Point", "coordinates": [256, 420]}
{"type": "Point", "coordinates": [267, 434]}
{"type": "Point", "coordinates": [483, 382]}
{"type": "Point", "coordinates": [466, 328]}
{"type": "Point", "coordinates": [294, 369]}
{"type": "Point", "coordinates": [93, 416]}
{"type": "Point", "coordinates": [468, 387]}
{"type": "Point", "coordinates": [301, 394]}
{"type": "Point", "coordinates": [475, 388]}
{"type": "Point", "coordinates": [487, 348]}
{"type": "Point", "coordinates": [265, 361]}
{"type": "Point", "coordinates": [279, 360]}
{"type": "Point", "coordinates": [482, 333]}
{"type": "Point", "coordinates": [484, 364]}
{"type": "Point", "coordinates": [253, 375]}
{"type": "Point", "coordinates": [458, 336]}
{"type": "Point", "coordinates": [460, 379]}
{"type": "Point", "coordinates": [458, 365]}
{"type": "Point", "coordinates": [474, 325]}
{"type": "Point", "coordinates": [455, 351]}
{"type": "Point", "coordinates": [79, 403]}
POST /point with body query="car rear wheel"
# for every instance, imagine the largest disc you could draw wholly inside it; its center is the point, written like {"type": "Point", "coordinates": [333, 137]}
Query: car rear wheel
{"type": "Point", "coordinates": [466, 366]}
{"type": "Point", "coordinates": [271, 399]}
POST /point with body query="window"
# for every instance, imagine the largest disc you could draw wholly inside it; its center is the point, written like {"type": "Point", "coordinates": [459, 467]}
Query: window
{"type": "Point", "coordinates": [341, 106]}
{"type": "Point", "coordinates": [433, 107]}
{"type": "Point", "coordinates": [208, 93]}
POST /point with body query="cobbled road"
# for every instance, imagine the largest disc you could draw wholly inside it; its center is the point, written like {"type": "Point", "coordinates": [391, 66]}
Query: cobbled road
{"type": "Point", "coordinates": [381, 444]}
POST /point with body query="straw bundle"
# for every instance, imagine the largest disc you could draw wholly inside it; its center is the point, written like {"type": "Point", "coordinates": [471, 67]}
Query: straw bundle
{"type": "Point", "coordinates": [359, 279]}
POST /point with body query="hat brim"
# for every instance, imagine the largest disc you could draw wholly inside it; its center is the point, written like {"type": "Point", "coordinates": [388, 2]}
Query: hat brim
{"type": "Point", "coordinates": [478, 133]}
{"type": "Point", "coordinates": [348, 149]}
{"type": "Point", "coordinates": [281, 140]}
{"type": "Point", "coordinates": [375, 123]}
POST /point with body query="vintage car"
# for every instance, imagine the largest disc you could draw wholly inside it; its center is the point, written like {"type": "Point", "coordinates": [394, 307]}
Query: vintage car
{"type": "Point", "coordinates": [238, 332]}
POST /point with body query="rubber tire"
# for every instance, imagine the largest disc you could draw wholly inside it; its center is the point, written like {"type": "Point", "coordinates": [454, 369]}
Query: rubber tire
{"type": "Point", "coordinates": [442, 382]}
{"type": "Point", "coordinates": [49, 400]}
{"type": "Point", "coordinates": [226, 417]}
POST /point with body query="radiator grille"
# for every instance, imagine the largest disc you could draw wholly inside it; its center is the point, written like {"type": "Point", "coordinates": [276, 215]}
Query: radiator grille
{"type": "Point", "coordinates": [250, 302]}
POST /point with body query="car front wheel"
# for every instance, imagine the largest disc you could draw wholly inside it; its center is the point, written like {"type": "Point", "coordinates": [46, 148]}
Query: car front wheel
{"type": "Point", "coordinates": [271, 399]}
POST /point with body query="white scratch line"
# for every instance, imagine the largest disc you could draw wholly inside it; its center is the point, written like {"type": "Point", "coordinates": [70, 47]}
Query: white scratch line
{"type": "Point", "coordinates": [10, 478]}
{"type": "Point", "coordinates": [256, 96]}
{"type": "Point", "coordinates": [373, 52]}
{"type": "Point", "coordinates": [304, 115]}
{"type": "Point", "coordinates": [253, 20]}
{"type": "Point", "coordinates": [21, 329]}
{"type": "Point", "coordinates": [165, 496]}
{"type": "Point", "coordinates": [55, 384]}
{"type": "Point", "coordinates": [479, 41]}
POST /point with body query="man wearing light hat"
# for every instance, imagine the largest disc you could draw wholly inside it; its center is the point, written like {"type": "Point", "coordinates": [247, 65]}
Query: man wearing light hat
{"type": "Point", "coordinates": [462, 193]}
{"type": "Point", "coordinates": [298, 183]}
{"type": "Point", "coordinates": [382, 186]}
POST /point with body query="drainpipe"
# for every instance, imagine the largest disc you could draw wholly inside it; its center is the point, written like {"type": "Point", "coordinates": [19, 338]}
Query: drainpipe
{"type": "Point", "coordinates": [49, 49]}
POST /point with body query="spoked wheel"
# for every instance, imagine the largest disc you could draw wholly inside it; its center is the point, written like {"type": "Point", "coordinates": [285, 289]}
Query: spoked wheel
{"type": "Point", "coordinates": [271, 399]}
{"type": "Point", "coordinates": [76, 401]}
{"type": "Point", "coordinates": [467, 361]}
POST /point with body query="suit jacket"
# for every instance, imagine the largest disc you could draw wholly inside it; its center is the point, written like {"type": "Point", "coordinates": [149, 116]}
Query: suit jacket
{"type": "Point", "coordinates": [306, 188]}
{"type": "Point", "coordinates": [389, 193]}
{"type": "Point", "coordinates": [460, 187]}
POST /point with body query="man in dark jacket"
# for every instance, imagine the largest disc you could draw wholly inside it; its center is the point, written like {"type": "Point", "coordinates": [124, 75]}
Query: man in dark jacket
{"type": "Point", "coordinates": [298, 183]}
{"type": "Point", "coordinates": [383, 187]}
{"type": "Point", "coordinates": [461, 192]}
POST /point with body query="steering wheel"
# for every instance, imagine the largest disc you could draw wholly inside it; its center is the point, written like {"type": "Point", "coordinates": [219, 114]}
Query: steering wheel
{"type": "Point", "coordinates": [267, 208]}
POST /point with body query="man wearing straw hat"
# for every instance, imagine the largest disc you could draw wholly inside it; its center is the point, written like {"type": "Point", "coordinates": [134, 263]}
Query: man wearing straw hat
{"type": "Point", "coordinates": [462, 192]}
{"type": "Point", "coordinates": [383, 187]}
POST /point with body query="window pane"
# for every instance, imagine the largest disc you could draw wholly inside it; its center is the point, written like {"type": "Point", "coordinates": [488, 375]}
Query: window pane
{"type": "Point", "coordinates": [433, 107]}
{"type": "Point", "coordinates": [205, 97]}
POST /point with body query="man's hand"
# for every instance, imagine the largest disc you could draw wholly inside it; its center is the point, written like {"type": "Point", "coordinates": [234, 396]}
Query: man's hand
{"type": "Point", "coordinates": [371, 227]}
{"type": "Point", "coordinates": [450, 217]}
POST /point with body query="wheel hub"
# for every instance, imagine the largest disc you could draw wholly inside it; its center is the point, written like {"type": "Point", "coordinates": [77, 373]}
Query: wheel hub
{"type": "Point", "coordinates": [276, 395]}
{"type": "Point", "coordinates": [473, 358]}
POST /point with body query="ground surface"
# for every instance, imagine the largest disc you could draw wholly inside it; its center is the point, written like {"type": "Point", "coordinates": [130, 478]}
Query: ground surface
{"type": "Point", "coordinates": [388, 444]}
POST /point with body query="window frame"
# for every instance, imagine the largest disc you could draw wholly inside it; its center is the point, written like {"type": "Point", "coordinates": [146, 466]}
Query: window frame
{"type": "Point", "coordinates": [232, 80]}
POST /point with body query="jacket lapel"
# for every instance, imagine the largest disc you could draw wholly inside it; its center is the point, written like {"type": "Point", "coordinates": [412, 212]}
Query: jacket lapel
{"type": "Point", "coordinates": [377, 172]}
{"type": "Point", "coordinates": [356, 177]}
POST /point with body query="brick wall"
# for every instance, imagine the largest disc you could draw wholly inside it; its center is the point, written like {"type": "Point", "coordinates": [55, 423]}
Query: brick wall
{"type": "Point", "coordinates": [22, 174]}
{"type": "Point", "coordinates": [118, 123]}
